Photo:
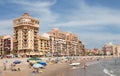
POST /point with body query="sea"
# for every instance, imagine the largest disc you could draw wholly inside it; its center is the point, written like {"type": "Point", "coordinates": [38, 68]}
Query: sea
{"type": "Point", "coordinates": [106, 67]}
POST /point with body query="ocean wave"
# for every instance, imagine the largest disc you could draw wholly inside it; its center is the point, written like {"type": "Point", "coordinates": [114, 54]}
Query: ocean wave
{"type": "Point", "coordinates": [108, 72]}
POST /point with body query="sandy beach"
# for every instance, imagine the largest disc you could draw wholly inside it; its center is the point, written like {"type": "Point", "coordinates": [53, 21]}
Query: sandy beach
{"type": "Point", "coordinates": [25, 70]}
{"type": "Point", "coordinates": [49, 70]}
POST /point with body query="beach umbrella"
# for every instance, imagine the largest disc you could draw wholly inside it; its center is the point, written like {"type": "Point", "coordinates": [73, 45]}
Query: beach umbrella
{"type": "Point", "coordinates": [33, 58]}
{"type": "Point", "coordinates": [68, 57]}
{"type": "Point", "coordinates": [17, 62]}
{"type": "Point", "coordinates": [42, 63]}
{"type": "Point", "coordinates": [36, 65]}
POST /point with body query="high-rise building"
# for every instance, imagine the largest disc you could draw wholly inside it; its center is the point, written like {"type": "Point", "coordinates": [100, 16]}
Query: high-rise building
{"type": "Point", "coordinates": [6, 45]}
{"type": "Point", "coordinates": [64, 43]}
{"type": "Point", "coordinates": [1, 45]}
{"type": "Point", "coordinates": [44, 44]}
{"type": "Point", "coordinates": [111, 49]}
{"type": "Point", "coordinates": [108, 49]}
{"type": "Point", "coordinates": [26, 29]}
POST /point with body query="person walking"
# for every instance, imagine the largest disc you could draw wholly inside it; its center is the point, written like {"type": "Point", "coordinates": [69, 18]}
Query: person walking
{"type": "Point", "coordinates": [85, 66]}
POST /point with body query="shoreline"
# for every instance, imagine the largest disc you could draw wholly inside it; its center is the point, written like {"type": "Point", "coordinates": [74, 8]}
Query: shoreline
{"type": "Point", "coordinates": [50, 69]}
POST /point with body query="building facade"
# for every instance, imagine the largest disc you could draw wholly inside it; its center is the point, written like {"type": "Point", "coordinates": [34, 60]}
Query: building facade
{"type": "Point", "coordinates": [44, 45]}
{"type": "Point", "coordinates": [26, 29]}
{"type": "Point", "coordinates": [111, 49]}
{"type": "Point", "coordinates": [81, 48]}
{"type": "Point", "coordinates": [6, 45]}
{"type": "Point", "coordinates": [108, 49]}
{"type": "Point", "coordinates": [64, 43]}
{"type": "Point", "coordinates": [1, 45]}
{"type": "Point", "coordinates": [116, 50]}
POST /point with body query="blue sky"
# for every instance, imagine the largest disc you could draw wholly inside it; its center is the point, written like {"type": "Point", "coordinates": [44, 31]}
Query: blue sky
{"type": "Point", "coordinates": [96, 22]}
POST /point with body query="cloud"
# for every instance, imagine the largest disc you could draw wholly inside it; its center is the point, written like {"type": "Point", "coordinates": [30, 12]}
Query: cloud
{"type": "Point", "coordinates": [6, 22]}
{"type": "Point", "coordinates": [97, 40]}
{"type": "Point", "coordinates": [86, 15]}
{"type": "Point", "coordinates": [39, 8]}
{"type": "Point", "coordinates": [90, 22]}
{"type": "Point", "coordinates": [6, 26]}
{"type": "Point", "coordinates": [37, 3]}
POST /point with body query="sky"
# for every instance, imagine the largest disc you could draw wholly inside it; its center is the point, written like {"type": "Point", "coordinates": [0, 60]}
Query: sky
{"type": "Point", "coordinates": [96, 22]}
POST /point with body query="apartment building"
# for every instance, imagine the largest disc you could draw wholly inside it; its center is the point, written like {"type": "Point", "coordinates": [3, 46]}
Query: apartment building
{"type": "Point", "coordinates": [58, 42]}
{"type": "Point", "coordinates": [6, 45]}
{"type": "Point", "coordinates": [111, 49]}
{"type": "Point", "coordinates": [108, 49]}
{"type": "Point", "coordinates": [44, 44]}
{"type": "Point", "coordinates": [116, 50]}
{"type": "Point", "coordinates": [26, 29]}
{"type": "Point", "coordinates": [1, 45]}
{"type": "Point", "coordinates": [64, 43]}
{"type": "Point", "coordinates": [80, 48]}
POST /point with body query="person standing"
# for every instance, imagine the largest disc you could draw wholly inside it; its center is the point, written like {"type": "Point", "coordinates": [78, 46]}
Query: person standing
{"type": "Point", "coordinates": [85, 66]}
{"type": "Point", "coordinates": [4, 65]}
{"type": "Point", "coordinates": [11, 66]}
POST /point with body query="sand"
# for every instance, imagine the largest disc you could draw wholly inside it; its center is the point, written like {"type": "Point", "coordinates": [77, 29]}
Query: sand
{"type": "Point", "coordinates": [56, 69]}
{"type": "Point", "coordinates": [49, 70]}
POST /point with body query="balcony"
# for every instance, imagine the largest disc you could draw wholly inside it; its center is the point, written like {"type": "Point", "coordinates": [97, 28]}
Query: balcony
{"type": "Point", "coordinates": [25, 23]}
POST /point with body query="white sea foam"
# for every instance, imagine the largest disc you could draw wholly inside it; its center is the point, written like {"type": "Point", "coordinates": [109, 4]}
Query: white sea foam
{"type": "Point", "coordinates": [110, 73]}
